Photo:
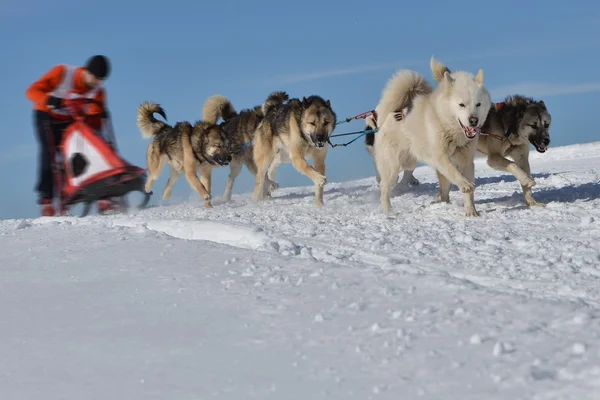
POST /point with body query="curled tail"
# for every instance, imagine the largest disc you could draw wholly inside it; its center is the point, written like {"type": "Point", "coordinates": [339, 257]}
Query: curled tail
{"type": "Point", "coordinates": [217, 106]}
{"type": "Point", "coordinates": [397, 95]}
{"type": "Point", "coordinates": [148, 125]}
{"type": "Point", "coordinates": [438, 69]}
{"type": "Point", "coordinates": [274, 100]}
{"type": "Point", "coordinates": [400, 91]}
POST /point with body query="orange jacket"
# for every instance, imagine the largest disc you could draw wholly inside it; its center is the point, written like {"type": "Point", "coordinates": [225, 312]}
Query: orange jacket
{"type": "Point", "coordinates": [40, 90]}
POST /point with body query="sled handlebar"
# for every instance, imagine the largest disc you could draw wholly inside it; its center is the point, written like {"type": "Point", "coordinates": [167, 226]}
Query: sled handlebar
{"type": "Point", "coordinates": [76, 106]}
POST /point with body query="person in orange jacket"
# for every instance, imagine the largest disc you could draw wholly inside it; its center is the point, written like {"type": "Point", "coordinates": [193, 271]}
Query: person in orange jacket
{"type": "Point", "coordinates": [50, 118]}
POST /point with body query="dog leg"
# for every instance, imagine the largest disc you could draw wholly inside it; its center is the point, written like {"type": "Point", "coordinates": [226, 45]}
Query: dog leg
{"type": "Point", "coordinates": [318, 157]}
{"type": "Point", "coordinates": [410, 177]}
{"type": "Point", "coordinates": [441, 162]}
{"type": "Point", "coordinates": [499, 163]}
{"type": "Point", "coordinates": [192, 178]}
{"type": "Point", "coordinates": [466, 166]}
{"type": "Point", "coordinates": [371, 152]}
{"type": "Point", "coordinates": [304, 167]}
{"type": "Point", "coordinates": [172, 179]}
{"type": "Point", "coordinates": [388, 172]}
{"type": "Point", "coordinates": [195, 183]}
{"type": "Point", "coordinates": [206, 178]}
{"type": "Point", "coordinates": [444, 189]}
{"type": "Point", "coordinates": [523, 163]}
{"type": "Point", "coordinates": [156, 164]}
{"type": "Point", "coordinates": [260, 192]}
{"type": "Point", "coordinates": [254, 171]}
{"type": "Point", "coordinates": [272, 171]}
{"type": "Point", "coordinates": [235, 168]}
{"type": "Point", "coordinates": [262, 168]}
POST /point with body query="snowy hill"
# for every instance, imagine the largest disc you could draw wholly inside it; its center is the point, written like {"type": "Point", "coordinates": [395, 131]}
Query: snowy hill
{"type": "Point", "coordinates": [280, 300]}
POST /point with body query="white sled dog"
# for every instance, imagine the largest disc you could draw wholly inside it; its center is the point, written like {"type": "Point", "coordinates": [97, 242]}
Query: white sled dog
{"type": "Point", "coordinates": [439, 127]}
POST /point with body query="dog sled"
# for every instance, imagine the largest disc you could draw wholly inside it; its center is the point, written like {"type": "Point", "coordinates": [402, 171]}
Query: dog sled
{"type": "Point", "coordinates": [87, 168]}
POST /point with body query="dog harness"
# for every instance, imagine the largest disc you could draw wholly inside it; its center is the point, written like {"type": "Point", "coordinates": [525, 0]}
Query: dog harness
{"type": "Point", "coordinates": [499, 106]}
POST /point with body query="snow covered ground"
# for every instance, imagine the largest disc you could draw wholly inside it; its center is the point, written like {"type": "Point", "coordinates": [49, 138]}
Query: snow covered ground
{"type": "Point", "coordinates": [280, 300]}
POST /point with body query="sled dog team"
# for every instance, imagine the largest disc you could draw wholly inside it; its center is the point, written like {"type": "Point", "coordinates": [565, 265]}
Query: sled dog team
{"type": "Point", "coordinates": [443, 127]}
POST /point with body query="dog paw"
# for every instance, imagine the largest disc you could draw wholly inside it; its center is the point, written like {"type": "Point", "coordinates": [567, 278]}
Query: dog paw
{"type": "Point", "coordinates": [259, 196]}
{"type": "Point", "coordinates": [466, 186]}
{"type": "Point", "coordinates": [533, 203]}
{"type": "Point", "coordinates": [414, 181]}
{"type": "Point", "coordinates": [320, 180]}
{"type": "Point", "coordinates": [386, 208]}
{"type": "Point", "coordinates": [471, 212]}
{"type": "Point", "coordinates": [439, 199]}
{"type": "Point", "coordinates": [166, 196]}
{"type": "Point", "coordinates": [273, 186]}
{"type": "Point", "coordinates": [528, 182]}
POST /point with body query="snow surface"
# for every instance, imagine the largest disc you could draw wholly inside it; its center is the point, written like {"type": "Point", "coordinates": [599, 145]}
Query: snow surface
{"type": "Point", "coordinates": [280, 300]}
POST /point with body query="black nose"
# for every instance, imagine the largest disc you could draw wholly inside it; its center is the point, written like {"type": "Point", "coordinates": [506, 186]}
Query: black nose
{"type": "Point", "coordinates": [473, 121]}
{"type": "Point", "coordinates": [321, 137]}
{"type": "Point", "coordinates": [546, 141]}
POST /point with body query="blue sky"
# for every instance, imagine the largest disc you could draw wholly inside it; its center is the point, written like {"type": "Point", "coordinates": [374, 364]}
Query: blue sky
{"type": "Point", "coordinates": [178, 53]}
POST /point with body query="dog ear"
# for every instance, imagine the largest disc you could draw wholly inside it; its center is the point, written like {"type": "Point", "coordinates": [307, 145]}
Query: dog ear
{"type": "Point", "coordinates": [542, 104]}
{"type": "Point", "coordinates": [448, 78]}
{"type": "Point", "coordinates": [479, 77]}
{"type": "Point", "coordinates": [438, 69]}
{"type": "Point", "coordinates": [328, 103]}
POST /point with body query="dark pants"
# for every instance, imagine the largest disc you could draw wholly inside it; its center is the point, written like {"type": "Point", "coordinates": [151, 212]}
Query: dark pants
{"type": "Point", "coordinates": [49, 133]}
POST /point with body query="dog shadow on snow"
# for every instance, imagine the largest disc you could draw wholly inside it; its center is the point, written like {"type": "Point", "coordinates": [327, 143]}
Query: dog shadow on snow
{"type": "Point", "coordinates": [341, 191]}
{"type": "Point", "coordinates": [567, 194]}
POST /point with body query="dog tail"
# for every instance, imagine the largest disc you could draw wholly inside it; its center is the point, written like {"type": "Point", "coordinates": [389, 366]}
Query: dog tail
{"type": "Point", "coordinates": [370, 123]}
{"type": "Point", "coordinates": [400, 91]}
{"type": "Point", "coordinates": [148, 125]}
{"type": "Point", "coordinates": [438, 69]}
{"type": "Point", "coordinates": [274, 100]}
{"type": "Point", "coordinates": [217, 106]}
{"type": "Point", "coordinates": [397, 96]}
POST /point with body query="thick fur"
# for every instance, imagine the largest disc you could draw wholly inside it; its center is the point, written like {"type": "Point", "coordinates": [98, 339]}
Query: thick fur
{"type": "Point", "coordinates": [290, 132]}
{"type": "Point", "coordinates": [239, 128]}
{"type": "Point", "coordinates": [526, 120]}
{"type": "Point", "coordinates": [185, 147]}
{"type": "Point", "coordinates": [440, 127]}
{"type": "Point", "coordinates": [391, 103]}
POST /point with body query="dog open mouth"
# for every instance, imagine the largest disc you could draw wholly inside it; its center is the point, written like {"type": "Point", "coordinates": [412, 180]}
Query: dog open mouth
{"type": "Point", "coordinates": [319, 141]}
{"type": "Point", "coordinates": [470, 132]}
{"type": "Point", "coordinates": [541, 148]}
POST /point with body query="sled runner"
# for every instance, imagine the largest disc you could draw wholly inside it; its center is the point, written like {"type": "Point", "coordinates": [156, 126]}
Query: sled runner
{"type": "Point", "coordinates": [87, 168]}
